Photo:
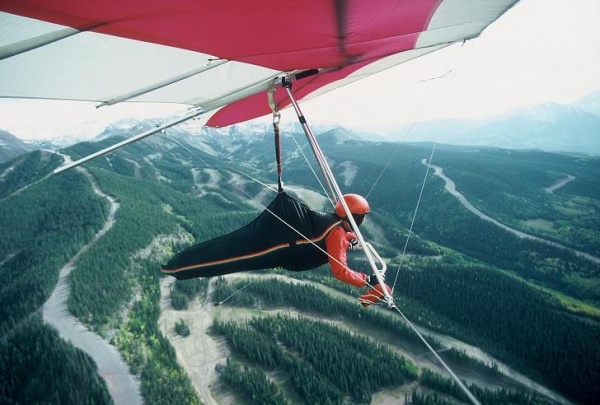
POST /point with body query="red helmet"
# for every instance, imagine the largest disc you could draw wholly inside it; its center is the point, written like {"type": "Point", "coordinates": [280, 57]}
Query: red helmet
{"type": "Point", "coordinates": [357, 205]}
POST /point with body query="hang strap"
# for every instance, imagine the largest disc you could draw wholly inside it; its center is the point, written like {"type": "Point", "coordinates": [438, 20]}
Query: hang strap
{"type": "Point", "coordinates": [276, 133]}
{"type": "Point", "coordinates": [276, 117]}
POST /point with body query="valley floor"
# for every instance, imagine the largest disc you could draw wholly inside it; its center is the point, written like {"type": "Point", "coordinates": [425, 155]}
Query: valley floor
{"type": "Point", "coordinates": [200, 353]}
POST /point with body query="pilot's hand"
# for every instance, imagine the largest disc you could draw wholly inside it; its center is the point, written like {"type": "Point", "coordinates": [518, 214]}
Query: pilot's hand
{"type": "Point", "coordinates": [372, 279]}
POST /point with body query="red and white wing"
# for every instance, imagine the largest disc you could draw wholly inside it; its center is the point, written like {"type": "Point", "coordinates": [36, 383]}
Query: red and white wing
{"type": "Point", "coordinates": [217, 54]}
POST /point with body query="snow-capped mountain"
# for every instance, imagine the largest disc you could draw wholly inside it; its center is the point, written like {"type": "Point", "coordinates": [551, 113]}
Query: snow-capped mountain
{"type": "Point", "coordinates": [549, 127]}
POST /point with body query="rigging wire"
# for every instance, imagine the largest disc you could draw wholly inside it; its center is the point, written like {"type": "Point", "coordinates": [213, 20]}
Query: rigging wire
{"type": "Point", "coordinates": [406, 134]}
{"type": "Point", "coordinates": [429, 347]}
{"type": "Point", "coordinates": [393, 155]}
{"type": "Point", "coordinates": [443, 363]}
{"type": "Point", "coordinates": [437, 356]}
{"type": "Point", "coordinates": [234, 293]}
{"type": "Point", "coordinates": [447, 91]}
{"type": "Point", "coordinates": [312, 169]}
{"type": "Point", "coordinates": [414, 217]}
{"type": "Point", "coordinates": [408, 131]}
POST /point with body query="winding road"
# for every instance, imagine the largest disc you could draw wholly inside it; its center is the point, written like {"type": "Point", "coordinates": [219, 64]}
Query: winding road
{"type": "Point", "coordinates": [560, 183]}
{"type": "Point", "coordinates": [451, 188]}
{"type": "Point", "coordinates": [123, 387]}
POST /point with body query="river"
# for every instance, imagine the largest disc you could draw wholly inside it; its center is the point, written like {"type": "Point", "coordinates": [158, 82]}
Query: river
{"type": "Point", "coordinates": [451, 188]}
{"type": "Point", "coordinates": [123, 387]}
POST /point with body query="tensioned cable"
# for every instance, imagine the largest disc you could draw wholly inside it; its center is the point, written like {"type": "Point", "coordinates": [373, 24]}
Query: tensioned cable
{"type": "Point", "coordinates": [448, 369]}
{"type": "Point", "coordinates": [406, 134]}
{"type": "Point", "coordinates": [218, 171]}
{"type": "Point", "coordinates": [312, 169]}
{"type": "Point", "coordinates": [445, 101]}
{"type": "Point", "coordinates": [408, 131]}
{"type": "Point", "coordinates": [412, 123]}
{"type": "Point", "coordinates": [414, 217]}
{"type": "Point", "coordinates": [234, 293]}
{"type": "Point", "coordinates": [376, 182]}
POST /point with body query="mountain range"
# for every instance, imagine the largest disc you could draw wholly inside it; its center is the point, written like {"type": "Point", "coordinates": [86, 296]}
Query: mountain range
{"type": "Point", "coordinates": [549, 127]}
{"type": "Point", "coordinates": [461, 275]}
{"type": "Point", "coordinates": [11, 146]}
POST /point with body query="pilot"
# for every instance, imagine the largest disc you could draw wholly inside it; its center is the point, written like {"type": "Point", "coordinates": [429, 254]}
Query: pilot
{"type": "Point", "coordinates": [341, 239]}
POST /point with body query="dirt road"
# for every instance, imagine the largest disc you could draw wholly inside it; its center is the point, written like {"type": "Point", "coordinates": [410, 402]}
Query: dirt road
{"type": "Point", "coordinates": [123, 387]}
{"type": "Point", "coordinates": [451, 188]}
{"type": "Point", "coordinates": [198, 353]}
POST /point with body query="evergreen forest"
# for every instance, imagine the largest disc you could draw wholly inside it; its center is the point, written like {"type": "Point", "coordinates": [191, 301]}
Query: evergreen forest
{"type": "Point", "coordinates": [531, 304]}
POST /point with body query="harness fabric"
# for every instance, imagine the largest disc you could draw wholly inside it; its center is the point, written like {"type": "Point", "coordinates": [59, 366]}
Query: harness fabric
{"type": "Point", "coordinates": [264, 243]}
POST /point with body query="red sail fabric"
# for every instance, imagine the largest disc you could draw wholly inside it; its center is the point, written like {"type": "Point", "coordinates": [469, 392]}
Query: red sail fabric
{"type": "Point", "coordinates": [255, 105]}
{"type": "Point", "coordinates": [280, 34]}
{"type": "Point", "coordinates": [218, 55]}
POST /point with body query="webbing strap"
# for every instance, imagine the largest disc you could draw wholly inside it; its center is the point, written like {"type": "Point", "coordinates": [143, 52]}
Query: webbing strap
{"type": "Point", "coordinates": [276, 118]}
{"type": "Point", "coordinates": [276, 133]}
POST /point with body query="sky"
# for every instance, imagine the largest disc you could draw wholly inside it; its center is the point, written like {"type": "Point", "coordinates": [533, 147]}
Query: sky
{"type": "Point", "coordinates": [539, 51]}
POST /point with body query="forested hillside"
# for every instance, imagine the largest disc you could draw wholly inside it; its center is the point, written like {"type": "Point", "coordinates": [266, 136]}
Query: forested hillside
{"type": "Point", "coordinates": [532, 306]}
{"type": "Point", "coordinates": [42, 226]}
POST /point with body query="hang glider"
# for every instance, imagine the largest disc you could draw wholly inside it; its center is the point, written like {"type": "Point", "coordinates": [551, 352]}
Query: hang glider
{"type": "Point", "coordinates": [225, 58]}
{"type": "Point", "coordinates": [218, 54]}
